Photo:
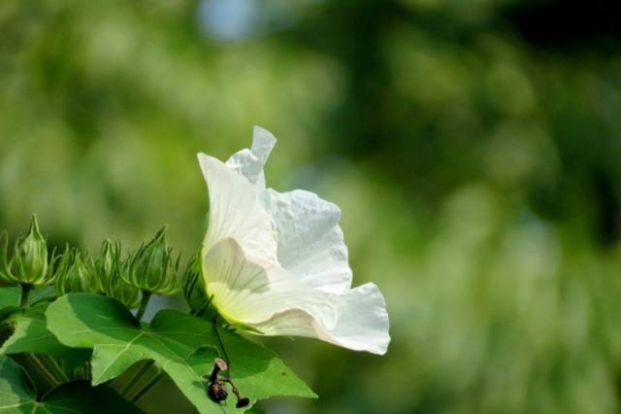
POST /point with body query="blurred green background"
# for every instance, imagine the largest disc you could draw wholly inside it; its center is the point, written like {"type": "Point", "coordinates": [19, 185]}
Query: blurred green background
{"type": "Point", "coordinates": [473, 146]}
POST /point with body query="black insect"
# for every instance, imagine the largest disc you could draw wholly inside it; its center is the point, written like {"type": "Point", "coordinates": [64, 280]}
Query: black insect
{"type": "Point", "coordinates": [217, 385]}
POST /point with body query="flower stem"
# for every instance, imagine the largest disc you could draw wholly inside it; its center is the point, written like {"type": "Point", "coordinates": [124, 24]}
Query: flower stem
{"type": "Point", "coordinates": [221, 343]}
{"type": "Point", "coordinates": [25, 296]}
{"type": "Point", "coordinates": [146, 295]}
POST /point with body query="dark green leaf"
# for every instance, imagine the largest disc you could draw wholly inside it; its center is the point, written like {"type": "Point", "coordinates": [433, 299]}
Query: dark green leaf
{"type": "Point", "coordinates": [118, 341]}
{"type": "Point", "coordinates": [18, 397]}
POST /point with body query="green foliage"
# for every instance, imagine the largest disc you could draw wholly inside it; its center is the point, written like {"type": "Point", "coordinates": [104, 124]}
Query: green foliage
{"type": "Point", "coordinates": [29, 332]}
{"type": "Point", "coordinates": [18, 397]}
{"type": "Point", "coordinates": [256, 370]}
{"type": "Point", "coordinates": [9, 296]}
{"type": "Point", "coordinates": [78, 348]}
{"type": "Point", "coordinates": [473, 147]}
{"type": "Point", "coordinates": [172, 340]}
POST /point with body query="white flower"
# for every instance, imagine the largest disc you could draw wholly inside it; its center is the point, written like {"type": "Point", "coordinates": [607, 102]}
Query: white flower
{"type": "Point", "coordinates": [276, 263]}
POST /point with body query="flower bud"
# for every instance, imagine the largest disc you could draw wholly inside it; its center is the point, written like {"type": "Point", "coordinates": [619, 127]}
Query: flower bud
{"type": "Point", "coordinates": [194, 289]}
{"type": "Point", "coordinates": [29, 262]}
{"type": "Point", "coordinates": [108, 268]}
{"type": "Point", "coordinates": [75, 275]}
{"type": "Point", "coordinates": [152, 267]}
{"type": "Point", "coordinates": [110, 258]}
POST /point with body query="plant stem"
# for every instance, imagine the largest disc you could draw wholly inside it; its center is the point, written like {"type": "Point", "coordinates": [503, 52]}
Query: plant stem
{"type": "Point", "coordinates": [226, 356]}
{"type": "Point", "coordinates": [144, 300]}
{"type": "Point", "coordinates": [26, 289]}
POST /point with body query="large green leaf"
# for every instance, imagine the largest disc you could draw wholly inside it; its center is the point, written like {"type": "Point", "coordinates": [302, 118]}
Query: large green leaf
{"type": "Point", "coordinates": [172, 340]}
{"type": "Point", "coordinates": [17, 397]}
{"type": "Point", "coordinates": [256, 371]}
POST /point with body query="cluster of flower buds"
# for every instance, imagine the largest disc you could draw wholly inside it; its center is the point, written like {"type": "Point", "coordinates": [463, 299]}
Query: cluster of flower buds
{"type": "Point", "coordinates": [150, 270]}
{"type": "Point", "coordinates": [30, 263]}
{"type": "Point", "coordinates": [217, 385]}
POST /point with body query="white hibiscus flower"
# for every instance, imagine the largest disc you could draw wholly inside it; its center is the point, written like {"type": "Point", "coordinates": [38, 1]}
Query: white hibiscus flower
{"type": "Point", "coordinates": [276, 263]}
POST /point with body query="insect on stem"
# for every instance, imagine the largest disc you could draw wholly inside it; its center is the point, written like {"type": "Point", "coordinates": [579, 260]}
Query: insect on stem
{"type": "Point", "coordinates": [217, 390]}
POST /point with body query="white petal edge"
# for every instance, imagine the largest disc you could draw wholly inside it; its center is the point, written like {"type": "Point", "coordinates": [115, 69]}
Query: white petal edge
{"type": "Point", "coordinates": [235, 212]}
{"type": "Point", "coordinates": [362, 324]}
{"type": "Point", "coordinates": [250, 162]}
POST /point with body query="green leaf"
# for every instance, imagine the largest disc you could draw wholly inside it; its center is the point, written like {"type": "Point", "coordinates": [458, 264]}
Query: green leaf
{"type": "Point", "coordinates": [25, 331]}
{"type": "Point", "coordinates": [118, 341]}
{"type": "Point", "coordinates": [172, 339]}
{"type": "Point", "coordinates": [17, 397]}
{"type": "Point", "coordinates": [257, 372]}
{"type": "Point", "coordinates": [29, 333]}
{"type": "Point", "coordinates": [9, 296]}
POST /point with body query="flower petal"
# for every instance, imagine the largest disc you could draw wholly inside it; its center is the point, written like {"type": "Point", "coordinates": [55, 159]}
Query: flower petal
{"type": "Point", "coordinates": [250, 162]}
{"type": "Point", "coordinates": [249, 291]}
{"type": "Point", "coordinates": [310, 241]}
{"type": "Point", "coordinates": [235, 212]}
{"type": "Point", "coordinates": [362, 324]}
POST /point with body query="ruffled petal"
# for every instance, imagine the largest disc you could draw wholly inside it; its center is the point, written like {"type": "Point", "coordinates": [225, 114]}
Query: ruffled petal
{"type": "Point", "coordinates": [248, 292]}
{"type": "Point", "coordinates": [362, 323]}
{"type": "Point", "coordinates": [310, 241]}
{"type": "Point", "coordinates": [235, 212]}
{"type": "Point", "coordinates": [250, 162]}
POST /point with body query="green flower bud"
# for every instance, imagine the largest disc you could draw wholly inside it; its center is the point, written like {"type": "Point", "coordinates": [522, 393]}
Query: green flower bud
{"type": "Point", "coordinates": [109, 268]}
{"type": "Point", "coordinates": [194, 288]}
{"type": "Point", "coordinates": [122, 291]}
{"type": "Point", "coordinates": [29, 262]}
{"type": "Point", "coordinates": [152, 267]}
{"type": "Point", "coordinates": [109, 261]}
{"type": "Point", "coordinates": [75, 273]}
